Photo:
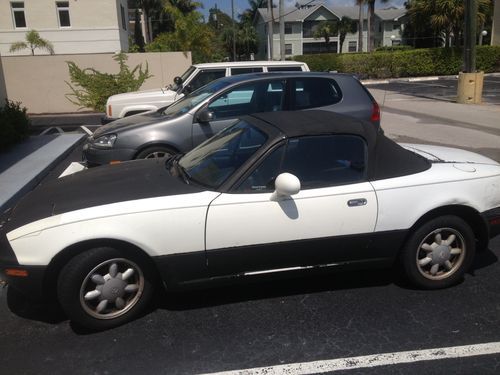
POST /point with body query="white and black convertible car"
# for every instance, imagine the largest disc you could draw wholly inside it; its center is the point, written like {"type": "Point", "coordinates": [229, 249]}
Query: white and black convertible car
{"type": "Point", "coordinates": [276, 192]}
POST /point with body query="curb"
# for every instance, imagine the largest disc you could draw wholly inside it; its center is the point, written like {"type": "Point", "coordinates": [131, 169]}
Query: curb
{"type": "Point", "coordinates": [368, 82]}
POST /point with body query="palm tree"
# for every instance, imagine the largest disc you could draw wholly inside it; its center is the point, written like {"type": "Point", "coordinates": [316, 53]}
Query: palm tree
{"type": "Point", "coordinates": [446, 16]}
{"type": "Point", "coordinates": [361, 5]}
{"type": "Point", "coordinates": [344, 26]}
{"type": "Point", "coordinates": [325, 30]}
{"type": "Point", "coordinates": [371, 24]}
{"type": "Point", "coordinates": [33, 41]}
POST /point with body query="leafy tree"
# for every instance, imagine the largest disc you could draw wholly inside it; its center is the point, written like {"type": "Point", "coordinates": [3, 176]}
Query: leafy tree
{"type": "Point", "coordinates": [33, 41]}
{"type": "Point", "coordinates": [190, 34]}
{"type": "Point", "coordinates": [91, 88]}
{"type": "Point", "coordinates": [246, 40]}
{"type": "Point", "coordinates": [138, 37]}
{"type": "Point", "coordinates": [249, 14]}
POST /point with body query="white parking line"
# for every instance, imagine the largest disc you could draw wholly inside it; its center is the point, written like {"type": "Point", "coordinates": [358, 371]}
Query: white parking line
{"type": "Point", "coordinates": [374, 360]}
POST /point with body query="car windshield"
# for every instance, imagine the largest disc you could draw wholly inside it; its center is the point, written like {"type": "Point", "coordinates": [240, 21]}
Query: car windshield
{"type": "Point", "coordinates": [184, 76]}
{"type": "Point", "coordinates": [188, 102]}
{"type": "Point", "coordinates": [212, 162]}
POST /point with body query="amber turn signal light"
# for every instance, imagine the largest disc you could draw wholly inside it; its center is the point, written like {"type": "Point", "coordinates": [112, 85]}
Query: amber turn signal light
{"type": "Point", "coordinates": [16, 272]}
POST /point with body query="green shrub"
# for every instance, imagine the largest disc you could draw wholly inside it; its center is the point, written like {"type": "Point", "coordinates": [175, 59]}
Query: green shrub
{"type": "Point", "coordinates": [92, 88]}
{"type": "Point", "coordinates": [14, 124]}
{"type": "Point", "coordinates": [403, 63]}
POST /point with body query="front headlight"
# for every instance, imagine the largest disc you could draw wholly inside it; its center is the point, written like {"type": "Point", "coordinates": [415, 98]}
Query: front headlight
{"type": "Point", "coordinates": [106, 141]}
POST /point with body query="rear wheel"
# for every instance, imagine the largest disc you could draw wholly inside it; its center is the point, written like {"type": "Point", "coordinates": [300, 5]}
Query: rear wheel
{"type": "Point", "coordinates": [103, 288]}
{"type": "Point", "coordinates": [439, 252]}
{"type": "Point", "coordinates": [155, 152]}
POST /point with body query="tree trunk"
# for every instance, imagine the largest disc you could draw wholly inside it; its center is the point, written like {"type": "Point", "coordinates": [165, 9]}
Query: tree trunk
{"type": "Point", "coordinates": [360, 27]}
{"type": "Point", "coordinates": [371, 25]}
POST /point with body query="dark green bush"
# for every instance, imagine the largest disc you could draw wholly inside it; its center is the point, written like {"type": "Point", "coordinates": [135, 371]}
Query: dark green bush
{"type": "Point", "coordinates": [394, 48]}
{"type": "Point", "coordinates": [14, 124]}
{"type": "Point", "coordinates": [405, 63]}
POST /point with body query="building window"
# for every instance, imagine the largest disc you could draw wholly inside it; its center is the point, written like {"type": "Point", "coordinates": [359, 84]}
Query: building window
{"type": "Point", "coordinates": [353, 46]}
{"type": "Point", "coordinates": [396, 26]}
{"type": "Point", "coordinates": [63, 13]}
{"type": "Point", "coordinates": [288, 28]}
{"type": "Point", "coordinates": [288, 49]}
{"type": "Point", "coordinates": [124, 22]}
{"type": "Point", "coordinates": [18, 14]}
{"type": "Point", "coordinates": [319, 47]}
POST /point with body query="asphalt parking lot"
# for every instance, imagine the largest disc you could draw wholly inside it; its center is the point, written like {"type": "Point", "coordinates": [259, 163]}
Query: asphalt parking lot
{"type": "Point", "coordinates": [442, 88]}
{"type": "Point", "coordinates": [295, 322]}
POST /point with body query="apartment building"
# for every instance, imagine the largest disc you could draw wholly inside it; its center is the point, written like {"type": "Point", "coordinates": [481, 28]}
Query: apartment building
{"type": "Point", "coordinates": [302, 21]}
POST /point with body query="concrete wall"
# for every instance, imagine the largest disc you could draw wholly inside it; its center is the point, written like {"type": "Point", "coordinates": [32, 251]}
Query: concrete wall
{"type": "Point", "coordinates": [39, 81]}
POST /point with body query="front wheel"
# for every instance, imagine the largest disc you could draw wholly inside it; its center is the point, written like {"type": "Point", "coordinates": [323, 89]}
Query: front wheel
{"type": "Point", "coordinates": [438, 253]}
{"type": "Point", "coordinates": [103, 288]}
{"type": "Point", "coordinates": [155, 152]}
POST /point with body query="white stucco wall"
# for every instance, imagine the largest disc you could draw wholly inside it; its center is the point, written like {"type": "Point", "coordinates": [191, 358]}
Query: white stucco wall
{"type": "Point", "coordinates": [96, 26]}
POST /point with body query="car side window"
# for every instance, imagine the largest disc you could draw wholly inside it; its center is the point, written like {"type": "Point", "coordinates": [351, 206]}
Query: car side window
{"type": "Point", "coordinates": [204, 77]}
{"type": "Point", "coordinates": [259, 96]}
{"type": "Point", "coordinates": [314, 92]}
{"type": "Point", "coordinates": [318, 161]}
{"type": "Point", "coordinates": [284, 69]}
{"type": "Point", "coordinates": [236, 71]}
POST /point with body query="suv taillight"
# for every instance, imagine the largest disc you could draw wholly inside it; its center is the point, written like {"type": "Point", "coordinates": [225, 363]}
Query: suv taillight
{"type": "Point", "coordinates": [375, 112]}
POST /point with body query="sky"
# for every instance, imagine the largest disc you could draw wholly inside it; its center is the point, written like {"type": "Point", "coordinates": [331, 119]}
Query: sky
{"type": "Point", "coordinates": [241, 5]}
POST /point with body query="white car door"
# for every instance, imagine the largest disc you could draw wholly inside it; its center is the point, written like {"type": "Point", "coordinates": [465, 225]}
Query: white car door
{"type": "Point", "coordinates": [330, 220]}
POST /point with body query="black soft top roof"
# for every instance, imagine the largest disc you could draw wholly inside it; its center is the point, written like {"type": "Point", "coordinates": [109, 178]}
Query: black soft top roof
{"type": "Point", "coordinates": [386, 159]}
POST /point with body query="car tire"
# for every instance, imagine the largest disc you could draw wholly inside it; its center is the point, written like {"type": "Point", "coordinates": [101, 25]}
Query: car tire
{"type": "Point", "coordinates": [103, 288]}
{"type": "Point", "coordinates": [155, 152]}
{"type": "Point", "coordinates": [438, 253]}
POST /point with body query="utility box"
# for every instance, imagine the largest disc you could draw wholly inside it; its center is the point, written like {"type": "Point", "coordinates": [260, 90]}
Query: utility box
{"type": "Point", "coordinates": [470, 88]}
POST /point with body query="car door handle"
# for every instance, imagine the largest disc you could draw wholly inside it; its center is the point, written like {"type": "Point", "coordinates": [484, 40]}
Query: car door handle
{"type": "Point", "coordinates": [357, 202]}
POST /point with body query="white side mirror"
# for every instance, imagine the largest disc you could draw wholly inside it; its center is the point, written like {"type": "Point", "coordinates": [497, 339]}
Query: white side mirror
{"type": "Point", "coordinates": [286, 184]}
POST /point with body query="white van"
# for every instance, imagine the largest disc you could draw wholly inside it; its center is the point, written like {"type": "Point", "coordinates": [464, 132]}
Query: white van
{"type": "Point", "coordinates": [198, 75]}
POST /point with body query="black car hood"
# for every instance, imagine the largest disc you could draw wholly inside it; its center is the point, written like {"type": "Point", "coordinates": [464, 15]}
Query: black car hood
{"type": "Point", "coordinates": [130, 122]}
{"type": "Point", "coordinates": [126, 181]}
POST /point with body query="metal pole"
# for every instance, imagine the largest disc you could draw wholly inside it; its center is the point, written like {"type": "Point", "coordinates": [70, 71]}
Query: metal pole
{"type": "Point", "coordinates": [234, 31]}
{"type": "Point", "coordinates": [282, 30]}
{"type": "Point", "coordinates": [470, 36]}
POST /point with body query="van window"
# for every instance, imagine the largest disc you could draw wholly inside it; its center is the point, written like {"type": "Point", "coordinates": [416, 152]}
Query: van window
{"type": "Point", "coordinates": [204, 77]}
{"type": "Point", "coordinates": [284, 68]}
{"type": "Point", "coordinates": [236, 71]}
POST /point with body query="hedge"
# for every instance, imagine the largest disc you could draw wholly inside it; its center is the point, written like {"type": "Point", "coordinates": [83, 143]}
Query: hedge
{"type": "Point", "coordinates": [406, 63]}
{"type": "Point", "coordinates": [14, 124]}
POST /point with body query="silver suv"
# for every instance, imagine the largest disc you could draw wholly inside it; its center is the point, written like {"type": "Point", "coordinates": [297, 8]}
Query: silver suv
{"type": "Point", "coordinates": [199, 115]}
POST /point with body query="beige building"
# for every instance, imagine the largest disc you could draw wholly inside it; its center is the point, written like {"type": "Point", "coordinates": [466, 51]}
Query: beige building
{"type": "Point", "coordinates": [73, 26]}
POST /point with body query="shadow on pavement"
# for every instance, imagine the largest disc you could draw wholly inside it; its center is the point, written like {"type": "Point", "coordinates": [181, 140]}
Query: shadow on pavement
{"type": "Point", "coordinates": [34, 310]}
{"type": "Point", "coordinates": [264, 287]}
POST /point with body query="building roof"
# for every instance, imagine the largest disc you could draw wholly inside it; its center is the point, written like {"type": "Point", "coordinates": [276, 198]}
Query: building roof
{"type": "Point", "coordinates": [390, 14]}
{"type": "Point", "coordinates": [294, 14]}
{"type": "Point", "coordinates": [299, 15]}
